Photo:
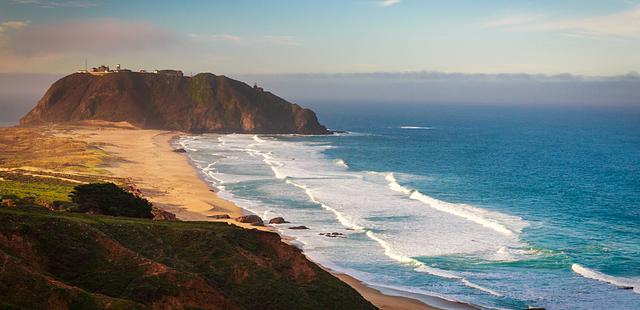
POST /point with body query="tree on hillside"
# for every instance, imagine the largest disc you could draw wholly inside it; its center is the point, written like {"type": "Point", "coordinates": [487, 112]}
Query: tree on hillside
{"type": "Point", "coordinates": [109, 199]}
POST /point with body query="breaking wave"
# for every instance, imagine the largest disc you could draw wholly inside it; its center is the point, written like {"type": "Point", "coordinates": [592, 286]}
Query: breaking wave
{"type": "Point", "coordinates": [415, 127]}
{"type": "Point", "coordinates": [422, 267]}
{"type": "Point", "coordinates": [341, 163]}
{"type": "Point", "coordinates": [493, 220]}
{"type": "Point", "coordinates": [620, 282]}
{"type": "Point", "coordinates": [352, 197]}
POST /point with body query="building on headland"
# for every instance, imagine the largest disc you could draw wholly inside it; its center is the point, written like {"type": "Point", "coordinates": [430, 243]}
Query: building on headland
{"type": "Point", "coordinates": [104, 69]}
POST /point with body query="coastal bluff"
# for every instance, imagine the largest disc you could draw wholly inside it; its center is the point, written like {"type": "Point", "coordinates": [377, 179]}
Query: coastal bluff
{"type": "Point", "coordinates": [201, 103]}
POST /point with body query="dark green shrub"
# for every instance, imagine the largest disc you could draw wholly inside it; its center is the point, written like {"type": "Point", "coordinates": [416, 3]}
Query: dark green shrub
{"type": "Point", "coordinates": [109, 199]}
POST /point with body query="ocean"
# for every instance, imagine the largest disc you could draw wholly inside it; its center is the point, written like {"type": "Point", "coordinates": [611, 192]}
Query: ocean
{"type": "Point", "coordinates": [494, 206]}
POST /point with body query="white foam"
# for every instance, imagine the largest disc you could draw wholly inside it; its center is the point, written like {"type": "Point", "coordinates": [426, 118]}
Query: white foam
{"type": "Point", "coordinates": [258, 139]}
{"type": "Point", "coordinates": [341, 163]}
{"type": "Point", "coordinates": [421, 267]}
{"type": "Point", "coordinates": [339, 216]}
{"type": "Point", "coordinates": [492, 220]}
{"type": "Point", "coordinates": [599, 276]}
{"type": "Point", "coordinates": [415, 127]}
{"type": "Point", "coordinates": [359, 201]}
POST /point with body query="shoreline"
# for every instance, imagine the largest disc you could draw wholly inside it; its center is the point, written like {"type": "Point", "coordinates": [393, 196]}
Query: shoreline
{"type": "Point", "coordinates": [171, 181]}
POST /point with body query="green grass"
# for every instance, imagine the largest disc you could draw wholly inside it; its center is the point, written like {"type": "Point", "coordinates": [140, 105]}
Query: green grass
{"type": "Point", "coordinates": [69, 249]}
{"type": "Point", "coordinates": [43, 192]}
{"type": "Point", "coordinates": [201, 91]}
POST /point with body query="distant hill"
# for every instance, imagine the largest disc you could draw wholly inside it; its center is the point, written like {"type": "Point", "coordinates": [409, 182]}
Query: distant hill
{"type": "Point", "coordinates": [202, 103]}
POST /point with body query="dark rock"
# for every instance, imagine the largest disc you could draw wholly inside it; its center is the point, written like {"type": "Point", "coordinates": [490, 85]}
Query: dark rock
{"type": "Point", "coordinates": [298, 227]}
{"type": "Point", "coordinates": [219, 216]}
{"type": "Point", "coordinates": [180, 150]}
{"type": "Point", "coordinates": [333, 235]}
{"type": "Point", "coordinates": [162, 215]}
{"type": "Point", "coordinates": [202, 103]}
{"type": "Point", "coordinates": [251, 219]}
{"type": "Point", "coordinates": [277, 220]}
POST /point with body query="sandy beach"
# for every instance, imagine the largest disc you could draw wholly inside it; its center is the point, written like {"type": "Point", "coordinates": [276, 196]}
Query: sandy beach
{"type": "Point", "coordinates": [169, 181]}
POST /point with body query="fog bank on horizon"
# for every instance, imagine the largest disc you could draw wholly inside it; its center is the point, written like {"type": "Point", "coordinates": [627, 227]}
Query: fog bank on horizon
{"type": "Point", "coordinates": [453, 88]}
{"type": "Point", "coordinates": [20, 92]}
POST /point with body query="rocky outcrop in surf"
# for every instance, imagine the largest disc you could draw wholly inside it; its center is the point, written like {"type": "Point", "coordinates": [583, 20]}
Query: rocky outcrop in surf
{"type": "Point", "coordinates": [202, 103]}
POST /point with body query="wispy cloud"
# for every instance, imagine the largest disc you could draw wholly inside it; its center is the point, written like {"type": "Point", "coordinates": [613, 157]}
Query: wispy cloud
{"type": "Point", "coordinates": [217, 37]}
{"type": "Point", "coordinates": [389, 2]}
{"type": "Point", "coordinates": [9, 26]}
{"type": "Point", "coordinates": [621, 24]}
{"type": "Point", "coordinates": [14, 24]}
{"type": "Point", "coordinates": [230, 38]}
{"type": "Point", "coordinates": [94, 35]}
{"type": "Point", "coordinates": [56, 3]}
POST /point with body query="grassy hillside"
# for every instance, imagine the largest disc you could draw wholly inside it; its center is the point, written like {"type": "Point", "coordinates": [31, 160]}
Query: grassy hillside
{"type": "Point", "coordinates": [44, 164]}
{"type": "Point", "coordinates": [66, 260]}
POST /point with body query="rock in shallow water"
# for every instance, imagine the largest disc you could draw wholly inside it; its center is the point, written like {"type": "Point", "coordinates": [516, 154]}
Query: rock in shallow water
{"type": "Point", "coordinates": [298, 227]}
{"type": "Point", "coordinates": [277, 220]}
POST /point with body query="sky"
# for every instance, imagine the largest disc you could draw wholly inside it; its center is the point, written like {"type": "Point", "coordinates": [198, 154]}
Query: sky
{"type": "Point", "coordinates": [585, 37]}
{"type": "Point", "coordinates": [491, 51]}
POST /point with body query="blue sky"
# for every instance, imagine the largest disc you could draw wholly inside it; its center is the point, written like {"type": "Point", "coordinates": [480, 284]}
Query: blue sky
{"type": "Point", "coordinates": [585, 37]}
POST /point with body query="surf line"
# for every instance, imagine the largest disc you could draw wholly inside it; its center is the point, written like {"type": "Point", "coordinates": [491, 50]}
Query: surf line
{"type": "Point", "coordinates": [619, 282]}
{"type": "Point", "coordinates": [464, 211]}
{"type": "Point", "coordinates": [388, 249]}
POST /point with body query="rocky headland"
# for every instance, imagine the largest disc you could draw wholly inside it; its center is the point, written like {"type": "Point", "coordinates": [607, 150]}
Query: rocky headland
{"type": "Point", "coordinates": [201, 103]}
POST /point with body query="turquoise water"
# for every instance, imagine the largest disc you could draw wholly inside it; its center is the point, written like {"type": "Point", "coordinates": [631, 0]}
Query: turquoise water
{"type": "Point", "coordinates": [500, 207]}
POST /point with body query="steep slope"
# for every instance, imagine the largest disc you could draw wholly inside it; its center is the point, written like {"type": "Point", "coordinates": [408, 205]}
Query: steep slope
{"type": "Point", "coordinates": [202, 103]}
{"type": "Point", "coordinates": [51, 260]}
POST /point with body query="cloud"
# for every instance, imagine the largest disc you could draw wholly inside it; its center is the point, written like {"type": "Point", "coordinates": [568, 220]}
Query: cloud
{"type": "Point", "coordinates": [82, 36]}
{"type": "Point", "coordinates": [216, 37]}
{"type": "Point", "coordinates": [280, 40]}
{"type": "Point", "coordinates": [14, 24]}
{"type": "Point", "coordinates": [389, 2]}
{"type": "Point", "coordinates": [268, 39]}
{"type": "Point", "coordinates": [50, 4]}
{"type": "Point", "coordinates": [459, 76]}
{"type": "Point", "coordinates": [441, 88]}
{"type": "Point", "coordinates": [621, 24]}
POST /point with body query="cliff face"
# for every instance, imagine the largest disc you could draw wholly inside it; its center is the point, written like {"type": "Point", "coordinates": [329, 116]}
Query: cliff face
{"type": "Point", "coordinates": [202, 103]}
{"type": "Point", "coordinates": [58, 260]}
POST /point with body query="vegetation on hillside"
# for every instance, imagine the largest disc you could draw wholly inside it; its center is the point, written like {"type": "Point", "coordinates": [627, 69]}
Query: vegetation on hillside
{"type": "Point", "coordinates": [44, 165]}
{"type": "Point", "coordinates": [48, 150]}
{"type": "Point", "coordinates": [72, 260]}
{"type": "Point", "coordinates": [109, 199]}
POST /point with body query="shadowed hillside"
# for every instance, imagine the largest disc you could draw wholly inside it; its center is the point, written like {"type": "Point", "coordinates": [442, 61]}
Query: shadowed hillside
{"type": "Point", "coordinates": [65, 260]}
{"type": "Point", "coordinates": [202, 103]}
